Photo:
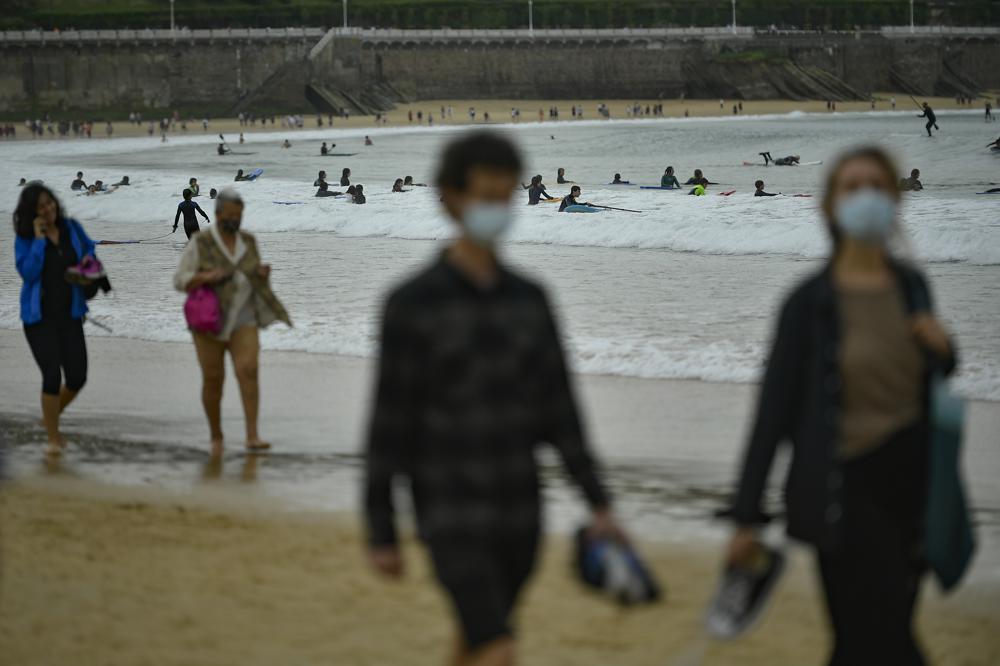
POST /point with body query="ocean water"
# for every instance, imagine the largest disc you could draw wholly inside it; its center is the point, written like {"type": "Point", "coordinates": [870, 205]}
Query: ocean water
{"type": "Point", "coordinates": [686, 288]}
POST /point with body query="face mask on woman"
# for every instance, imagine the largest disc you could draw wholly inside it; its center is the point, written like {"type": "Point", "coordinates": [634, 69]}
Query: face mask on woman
{"type": "Point", "coordinates": [230, 226]}
{"type": "Point", "coordinates": [866, 215]}
{"type": "Point", "coordinates": [485, 223]}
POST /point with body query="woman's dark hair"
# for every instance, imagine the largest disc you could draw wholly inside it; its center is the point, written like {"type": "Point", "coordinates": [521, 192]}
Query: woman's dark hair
{"type": "Point", "coordinates": [872, 153]}
{"type": "Point", "coordinates": [345, 171]}
{"type": "Point", "coordinates": [478, 149]}
{"type": "Point", "coordinates": [575, 188]}
{"type": "Point", "coordinates": [27, 209]}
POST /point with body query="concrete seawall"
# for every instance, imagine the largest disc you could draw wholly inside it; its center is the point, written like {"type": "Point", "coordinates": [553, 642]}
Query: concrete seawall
{"type": "Point", "coordinates": [218, 72]}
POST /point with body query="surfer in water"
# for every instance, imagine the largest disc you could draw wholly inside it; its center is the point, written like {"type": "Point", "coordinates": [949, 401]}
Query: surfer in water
{"type": "Point", "coordinates": [123, 181]}
{"type": "Point", "coordinates": [911, 184]}
{"type": "Point", "coordinates": [699, 179]}
{"type": "Point", "coordinates": [561, 177]}
{"type": "Point", "coordinates": [325, 191]}
{"type": "Point", "coordinates": [790, 160]}
{"type": "Point", "coordinates": [78, 184]}
{"type": "Point", "coordinates": [188, 209]}
{"type": "Point", "coordinates": [408, 182]}
{"type": "Point", "coordinates": [398, 186]}
{"type": "Point", "coordinates": [759, 185]}
{"type": "Point", "coordinates": [323, 150]}
{"type": "Point", "coordinates": [359, 194]}
{"type": "Point", "coordinates": [368, 141]}
{"type": "Point", "coordinates": [931, 119]}
{"type": "Point", "coordinates": [995, 145]}
{"type": "Point", "coordinates": [222, 149]}
{"type": "Point", "coordinates": [572, 199]}
{"type": "Point", "coordinates": [536, 191]}
{"type": "Point", "coordinates": [345, 177]}
{"type": "Point", "coordinates": [618, 180]}
{"type": "Point", "coordinates": [321, 178]}
{"type": "Point", "coordinates": [668, 179]}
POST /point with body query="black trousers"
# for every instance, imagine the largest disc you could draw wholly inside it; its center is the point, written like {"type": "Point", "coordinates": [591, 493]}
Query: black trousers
{"type": "Point", "coordinates": [871, 582]}
{"type": "Point", "coordinates": [59, 348]}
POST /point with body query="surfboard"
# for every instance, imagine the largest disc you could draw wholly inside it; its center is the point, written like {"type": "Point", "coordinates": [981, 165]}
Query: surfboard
{"type": "Point", "coordinates": [657, 187]}
{"type": "Point", "coordinates": [288, 203]}
{"type": "Point", "coordinates": [580, 208]}
{"type": "Point", "coordinates": [338, 154]}
{"type": "Point", "coordinates": [555, 200]}
{"type": "Point", "coordinates": [239, 153]}
{"type": "Point", "coordinates": [758, 164]}
{"type": "Point", "coordinates": [988, 192]}
{"type": "Point", "coordinates": [253, 175]}
{"type": "Point", "coordinates": [726, 194]}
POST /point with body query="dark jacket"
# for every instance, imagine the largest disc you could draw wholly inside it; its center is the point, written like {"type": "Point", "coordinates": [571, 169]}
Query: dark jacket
{"type": "Point", "coordinates": [800, 403]}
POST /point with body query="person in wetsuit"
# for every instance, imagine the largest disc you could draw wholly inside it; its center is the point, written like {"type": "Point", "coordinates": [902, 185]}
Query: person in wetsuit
{"type": "Point", "coordinates": [699, 179]}
{"type": "Point", "coordinates": [759, 185]}
{"type": "Point", "coordinates": [408, 182]}
{"type": "Point", "coordinates": [321, 178]}
{"type": "Point", "coordinates": [188, 208]}
{"type": "Point", "coordinates": [618, 180]}
{"type": "Point", "coordinates": [345, 177]}
{"type": "Point", "coordinates": [397, 186]}
{"type": "Point", "coordinates": [123, 181]}
{"type": "Point", "coordinates": [911, 184]}
{"type": "Point", "coordinates": [572, 199]}
{"type": "Point", "coordinates": [325, 191]}
{"type": "Point", "coordinates": [323, 150]}
{"type": "Point", "coordinates": [561, 176]}
{"type": "Point", "coordinates": [78, 184]}
{"type": "Point", "coordinates": [359, 194]}
{"type": "Point", "coordinates": [931, 119]}
{"type": "Point", "coordinates": [536, 191]}
{"type": "Point", "coordinates": [222, 150]}
{"type": "Point", "coordinates": [790, 160]}
{"type": "Point", "coordinates": [668, 179]}
{"type": "Point", "coordinates": [994, 144]}
{"type": "Point", "coordinates": [240, 176]}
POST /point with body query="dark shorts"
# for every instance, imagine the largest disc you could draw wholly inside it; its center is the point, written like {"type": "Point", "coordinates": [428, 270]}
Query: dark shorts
{"type": "Point", "coordinates": [483, 577]}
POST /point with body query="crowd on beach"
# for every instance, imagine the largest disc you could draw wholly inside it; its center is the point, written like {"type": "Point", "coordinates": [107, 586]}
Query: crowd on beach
{"type": "Point", "coordinates": [472, 377]}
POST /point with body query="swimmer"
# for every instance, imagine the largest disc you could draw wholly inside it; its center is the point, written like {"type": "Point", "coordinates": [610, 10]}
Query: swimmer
{"type": "Point", "coordinates": [222, 149]}
{"type": "Point", "coordinates": [78, 184]}
{"type": "Point", "coordinates": [242, 140]}
{"type": "Point", "coordinates": [345, 177]}
{"type": "Point", "coordinates": [286, 144]}
{"type": "Point", "coordinates": [408, 182]}
{"type": "Point", "coordinates": [123, 181]}
{"type": "Point", "coordinates": [321, 178]}
{"type": "Point", "coordinates": [188, 208]}
{"type": "Point", "coordinates": [22, 182]}
{"type": "Point", "coordinates": [359, 194]}
{"type": "Point", "coordinates": [911, 184]}
{"type": "Point", "coordinates": [398, 186]}
{"type": "Point", "coordinates": [212, 193]}
{"type": "Point", "coordinates": [618, 180]}
{"type": "Point", "coordinates": [572, 199]}
{"type": "Point", "coordinates": [759, 185]}
{"type": "Point", "coordinates": [668, 179]}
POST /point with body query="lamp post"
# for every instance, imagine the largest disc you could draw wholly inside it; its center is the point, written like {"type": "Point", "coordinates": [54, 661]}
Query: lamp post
{"type": "Point", "coordinates": [171, 16]}
{"type": "Point", "coordinates": [345, 13]}
{"type": "Point", "coordinates": [911, 17]}
{"type": "Point", "coordinates": [734, 17]}
{"type": "Point", "coordinates": [531, 16]}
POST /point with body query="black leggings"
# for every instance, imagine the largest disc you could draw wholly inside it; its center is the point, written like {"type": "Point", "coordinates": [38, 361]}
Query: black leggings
{"type": "Point", "coordinates": [58, 348]}
{"type": "Point", "coordinates": [872, 581]}
{"type": "Point", "coordinates": [191, 229]}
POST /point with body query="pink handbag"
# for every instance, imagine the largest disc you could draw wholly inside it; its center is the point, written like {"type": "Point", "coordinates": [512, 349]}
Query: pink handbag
{"type": "Point", "coordinates": [203, 311]}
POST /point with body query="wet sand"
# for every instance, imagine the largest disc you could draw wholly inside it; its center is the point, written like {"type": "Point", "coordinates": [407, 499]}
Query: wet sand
{"type": "Point", "coordinates": [499, 112]}
{"type": "Point", "coordinates": [106, 575]}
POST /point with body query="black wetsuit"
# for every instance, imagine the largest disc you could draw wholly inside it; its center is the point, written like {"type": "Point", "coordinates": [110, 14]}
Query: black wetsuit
{"type": "Point", "coordinates": [561, 180]}
{"type": "Point", "coordinates": [78, 184]}
{"type": "Point", "coordinates": [931, 119]}
{"type": "Point", "coordinates": [535, 194]}
{"type": "Point", "coordinates": [786, 161]}
{"type": "Point", "coordinates": [762, 193]}
{"type": "Point", "coordinates": [359, 199]}
{"type": "Point", "coordinates": [188, 209]}
{"type": "Point", "coordinates": [910, 184]}
{"type": "Point", "coordinates": [345, 181]}
{"type": "Point", "coordinates": [699, 181]}
{"type": "Point", "coordinates": [568, 200]}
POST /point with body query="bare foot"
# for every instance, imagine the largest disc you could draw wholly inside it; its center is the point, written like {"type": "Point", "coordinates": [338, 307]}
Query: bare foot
{"type": "Point", "coordinates": [218, 446]}
{"type": "Point", "coordinates": [257, 444]}
{"type": "Point", "coordinates": [55, 449]}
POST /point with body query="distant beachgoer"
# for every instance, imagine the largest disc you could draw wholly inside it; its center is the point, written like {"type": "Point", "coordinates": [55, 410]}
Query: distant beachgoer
{"type": "Point", "coordinates": [189, 209]}
{"type": "Point", "coordinates": [345, 177]}
{"type": "Point", "coordinates": [48, 249]}
{"type": "Point", "coordinates": [461, 416]}
{"type": "Point", "coordinates": [790, 160]}
{"type": "Point", "coordinates": [668, 179]}
{"type": "Point", "coordinates": [397, 186]}
{"type": "Point", "coordinates": [561, 177]}
{"type": "Point", "coordinates": [931, 118]}
{"type": "Point", "coordinates": [242, 140]}
{"type": "Point", "coordinates": [847, 388]}
{"type": "Point", "coordinates": [222, 150]}
{"type": "Point", "coordinates": [323, 150]}
{"type": "Point", "coordinates": [572, 199]}
{"type": "Point", "coordinates": [226, 260]}
{"type": "Point", "coordinates": [193, 186]}
{"type": "Point", "coordinates": [989, 112]}
{"type": "Point", "coordinates": [911, 184]}
{"type": "Point", "coordinates": [359, 195]}
{"type": "Point", "coordinates": [286, 144]}
{"type": "Point", "coordinates": [759, 190]}
{"type": "Point", "coordinates": [408, 182]}
{"type": "Point", "coordinates": [22, 182]}
{"type": "Point", "coordinates": [78, 183]}
{"type": "Point", "coordinates": [123, 182]}
{"type": "Point", "coordinates": [618, 180]}
{"type": "Point", "coordinates": [240, 176]}
{"type": "Point", "coordinates": [368, 141]}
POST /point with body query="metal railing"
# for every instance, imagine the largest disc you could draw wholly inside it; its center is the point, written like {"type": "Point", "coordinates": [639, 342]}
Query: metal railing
{"type": "Point", "coordinates": [940, 31]}
{"type": "Point", "coordinates": [93, 36]}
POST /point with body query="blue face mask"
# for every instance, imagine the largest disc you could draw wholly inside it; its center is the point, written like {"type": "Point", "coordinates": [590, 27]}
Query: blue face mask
{"type": "Point", "coordinates": [485, 223]}
{"type": "Point", "coordinates": [866, 215]}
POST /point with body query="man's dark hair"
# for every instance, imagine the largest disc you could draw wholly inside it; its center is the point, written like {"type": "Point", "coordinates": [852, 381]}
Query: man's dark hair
{"type": "Point", "coordinates": [192, 180]}
{"type": "Point", "coordinates": [186, 193]}
{"type": "Point", "coordinates": [759, 184]}
{"type": "Point", "coordinates": [483, 149]}
{"type": "Point", "coordinates": [79, 174]}
{"type": "Point", "coordinates": [27, 209]}
{"type": "Point", "coordinates": [575, 188]}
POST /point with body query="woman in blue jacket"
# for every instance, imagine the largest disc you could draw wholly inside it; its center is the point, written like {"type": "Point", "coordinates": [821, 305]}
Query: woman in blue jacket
{"type": "Point", "coordinates": [52, 309]}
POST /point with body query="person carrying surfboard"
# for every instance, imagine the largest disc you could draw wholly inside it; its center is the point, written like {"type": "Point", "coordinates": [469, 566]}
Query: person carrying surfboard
{"type": "Point", "coordinates": [668, 179]}
{"type": "Point", "coordinates": [572, 199]}
{"type": "Point", "coordinates": [536, 191]}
